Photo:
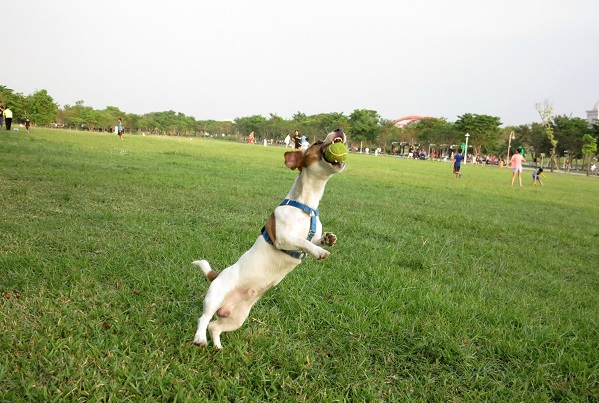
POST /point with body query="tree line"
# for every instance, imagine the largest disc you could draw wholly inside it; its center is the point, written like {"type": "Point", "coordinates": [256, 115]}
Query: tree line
{"type": "Point", "coordinates": [564, 136]}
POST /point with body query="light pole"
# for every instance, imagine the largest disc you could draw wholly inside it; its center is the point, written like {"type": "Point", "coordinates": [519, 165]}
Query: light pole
{"type": "Point", "coordinates": [466, 150]}
{"type": "Point", "coordinates": [509, 144]}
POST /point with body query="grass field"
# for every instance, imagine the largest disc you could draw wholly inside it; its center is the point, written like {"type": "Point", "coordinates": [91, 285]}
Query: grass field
{"type": "Point", "coordinates": [438, 290]}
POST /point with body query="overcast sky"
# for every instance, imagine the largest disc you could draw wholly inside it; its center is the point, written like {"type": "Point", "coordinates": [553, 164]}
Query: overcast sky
{"type": "Point", "coordinates": [232, 58]}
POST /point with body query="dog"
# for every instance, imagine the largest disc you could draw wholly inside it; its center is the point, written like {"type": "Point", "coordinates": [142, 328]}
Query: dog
{"type": "Point", "coordinates": [292, 232]}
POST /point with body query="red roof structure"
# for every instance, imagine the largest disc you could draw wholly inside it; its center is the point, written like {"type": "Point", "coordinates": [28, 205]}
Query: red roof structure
{"type": "Point", "coordinates": [402, 122]}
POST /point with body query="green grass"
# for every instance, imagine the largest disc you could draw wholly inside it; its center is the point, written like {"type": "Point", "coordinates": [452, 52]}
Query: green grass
{"type": "Point", "coordinates": [438, 290]}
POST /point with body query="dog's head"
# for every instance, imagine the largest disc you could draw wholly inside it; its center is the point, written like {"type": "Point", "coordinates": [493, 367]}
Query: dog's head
{"type": "Point", "coordinates": [315, 155]}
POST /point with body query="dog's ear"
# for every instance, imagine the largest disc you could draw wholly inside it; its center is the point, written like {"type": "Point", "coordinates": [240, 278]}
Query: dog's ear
{"type": "Point", "coordinates": [293, 159]}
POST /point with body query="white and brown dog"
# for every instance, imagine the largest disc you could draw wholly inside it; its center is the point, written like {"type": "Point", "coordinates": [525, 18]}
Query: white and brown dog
{"type": "Point", "coordinates": [292, 232]}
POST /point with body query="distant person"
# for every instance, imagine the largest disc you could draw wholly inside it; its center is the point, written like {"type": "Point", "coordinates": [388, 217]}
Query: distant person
{"type": "Point", "coordinates": [297, 140]}
{"type": "Point", "coordinates": [457, 162]}
{"type": "Point", "coordinates": [516, 162]}
{"type": "Point", "coordinates": [119, 128]}
{"type": "Point", "coordinates": [287, 140]}
{"type": "Point", "coordinates": [27, 124]}
{"type": "Point", "coordinates": [1, 114]}
{"type": "Point", "coordinates": [536, 176]}
{"type": "Point", "coordinates": [7, 113]}
{"type": "Point", "coordinates": [305, 144]}
{"type": "Point", "coordinates": [251, 138]}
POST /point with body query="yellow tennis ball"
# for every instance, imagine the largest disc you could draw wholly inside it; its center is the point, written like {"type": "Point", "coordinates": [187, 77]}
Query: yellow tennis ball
{"type": "Point", "coordinates": [336, 152]}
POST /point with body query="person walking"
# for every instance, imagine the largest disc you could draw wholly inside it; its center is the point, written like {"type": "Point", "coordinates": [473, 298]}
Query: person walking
{"type": "Point", "coordinates": [516, 162]}
{"type": "Point", "coordinates": [457, 162]}
{"type": "Point", "coordinates": [287, 140]}
{"type": "Point", "coordinates": [7, 113]}
{"type": "Point", "coordinates": [1, 114]}
{"type": "Point", "coordinates": [27, 124]}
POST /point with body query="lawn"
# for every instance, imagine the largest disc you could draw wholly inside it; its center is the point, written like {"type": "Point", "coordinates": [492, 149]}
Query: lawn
{"type": "Point", "coordinates": [438, 290]}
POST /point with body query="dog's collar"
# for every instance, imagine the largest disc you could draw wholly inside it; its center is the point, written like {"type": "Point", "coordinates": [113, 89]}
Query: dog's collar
{"type": "Point", "coordinates": [313, 213]}
{"type": "Point", "coordinates": [305, 208]}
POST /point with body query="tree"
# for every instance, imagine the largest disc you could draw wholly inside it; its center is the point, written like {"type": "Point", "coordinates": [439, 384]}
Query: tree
{"type": "Point", "coordinates": [65, 114]}
{"type": "Point", "coordinates": [533, 137]}
{"type": "Point", "coordinates": [255, 123]}
{"type": "Point", "coordinates": [215, 127]}
{"type": "Point", "coordinates": [589, 148]}
{"type": "Point", "coordinates": [522, 137]}
{"type": "Point", "coordinates": [40, 108]}
{"type": "Point", "coordinates": [569, 132]}
{"type": "Point", "coordinates": [145, 124]}
{"type": "Point", "coordinates": [164, 122]}
{"type": "Point", "coordinates": [131, 122]}
{"type": "Point", "coordinates": [433, 131]}
{"type": "Point", "coordinates": [105, 120]}
{"type": "Point", "coordinates": [327, 122]}
{"type": "Point", "coordinates": [15, 101]}
{"type": "Point", "coordinates": [276, 127]}
{"type": "Point", "coordinates": [389, 134]}
{"type": "Point", "coordinates": [302, 123]}
{"type": "Point", "coordinates": [299, 117]}
{"type": "Point", "coordinates": [80, 117]}
{"type": "Point", "coordinates": [90, 118]}
{"type": "Point", "coordinates": [364, 125]}
{"type": "Point", "coordinates": [483, 129]}
{"type": "Point", "coordinates": [545, 111]}
{"type": "Point", "coordinates": [594, 129]}
{"type": "Point", "coordinates": [83, 117]}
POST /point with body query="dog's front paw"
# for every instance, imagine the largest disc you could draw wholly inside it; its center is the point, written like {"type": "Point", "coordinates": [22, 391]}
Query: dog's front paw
{"type": "Point", "coordinates": [329, 239]}
{"type": "Point", "coordinates": [323, 254]}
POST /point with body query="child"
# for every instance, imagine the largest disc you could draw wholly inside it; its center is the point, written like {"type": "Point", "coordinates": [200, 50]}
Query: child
{"type": "Point", "coordinates": [516, 163]}
{"type": "Point", "coordinates": [457, 161]}
{"type": "Point", "coordinates": [536, 176]}
{"type": "Point", "coordinates": [119, 128]}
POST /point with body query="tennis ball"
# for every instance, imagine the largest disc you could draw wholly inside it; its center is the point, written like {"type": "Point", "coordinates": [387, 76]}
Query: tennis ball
{"type": "Point", "coordinates": [336, 152]}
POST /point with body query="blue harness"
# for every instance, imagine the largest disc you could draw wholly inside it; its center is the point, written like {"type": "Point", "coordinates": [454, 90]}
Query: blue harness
{"type": "Point", "coordinates": [306, 209]}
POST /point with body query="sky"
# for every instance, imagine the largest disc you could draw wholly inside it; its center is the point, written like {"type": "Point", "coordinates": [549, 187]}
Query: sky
{"type": "Point", "coordinates": [226, 59]}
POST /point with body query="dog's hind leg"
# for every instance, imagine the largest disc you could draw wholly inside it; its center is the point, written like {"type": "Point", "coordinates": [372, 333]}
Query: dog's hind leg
{"type": "Point", "coordinates": [200, 336]}
{"type": "Point", "coordinates": [214, 300]}
{"type": "Point", "coordinates": [211, 305]}
{"type": "Point", "coordinates": [231, 322]}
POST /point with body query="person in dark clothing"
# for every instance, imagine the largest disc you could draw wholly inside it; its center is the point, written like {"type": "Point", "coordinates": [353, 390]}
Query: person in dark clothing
{"type": "Point", "coordinates": [297, 140]}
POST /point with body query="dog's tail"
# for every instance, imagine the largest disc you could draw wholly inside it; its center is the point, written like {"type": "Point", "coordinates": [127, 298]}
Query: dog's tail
{"type": "Point", "coordinates": [206, 269]}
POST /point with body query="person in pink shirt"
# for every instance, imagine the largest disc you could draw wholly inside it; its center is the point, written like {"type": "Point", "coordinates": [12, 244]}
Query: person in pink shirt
{"type": "Point", "coordinates": [516, 161]}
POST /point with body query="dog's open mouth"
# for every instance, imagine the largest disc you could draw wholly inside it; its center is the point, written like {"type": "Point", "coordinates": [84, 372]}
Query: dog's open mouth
{"type": "Point", "coordinates": [335, 137]}
{"type": "Point", "coordinates": [332, 161]}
